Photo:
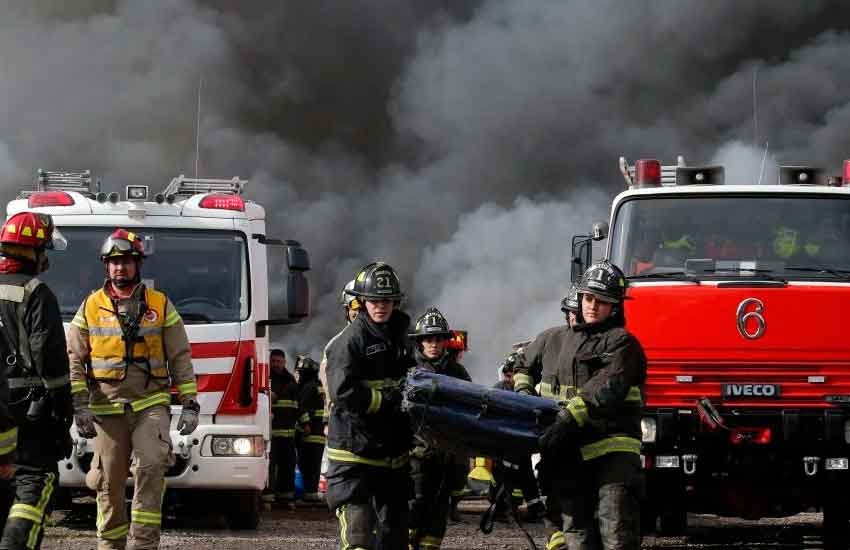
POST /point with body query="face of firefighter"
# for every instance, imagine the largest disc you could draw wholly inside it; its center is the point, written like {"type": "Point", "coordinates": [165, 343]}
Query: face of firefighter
{"type": "Point", "coordinates": [508, 378]}
{"type": "Point", "coordinates": [122, 270]}
{"type": "Point", "coordinates": [595, 310]}
{"type": "Point", "coordinates": [351, 313]}
{"type": "Point", "coordinates": [380, 310]}
{"type": "Point", "coordinates": [278, 363]}
{"type": "Point", "coordinates": [433, 347]}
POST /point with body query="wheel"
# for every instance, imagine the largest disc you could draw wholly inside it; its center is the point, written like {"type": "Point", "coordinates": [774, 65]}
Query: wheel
{"type": "Point", "coordinates": [836, 522]}
{"type": "Point", "coordinates": [673, 520]}
{"type": "Point", "coordinates": [244, 509]}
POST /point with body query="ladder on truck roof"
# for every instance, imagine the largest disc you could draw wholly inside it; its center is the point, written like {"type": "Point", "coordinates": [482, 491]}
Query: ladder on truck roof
{"type": "Point", "coordinates": [49, 180]}
{"type": "Point", "coordinates": [668, 171]}
{"type": "Point", "coordinates": [186, 187]}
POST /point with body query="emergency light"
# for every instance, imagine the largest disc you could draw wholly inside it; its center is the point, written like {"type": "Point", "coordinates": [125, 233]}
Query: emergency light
{"type": "Point", "coordinates": [223, 202]}
{"type": "Point", "coordinates": [50, 198]}
{"type": "Point", "coordinates": [458, 341]}
{"type": "Point", "coordinates": [647, 173]}
{"type": "Point", "coordinates": [847, 172]}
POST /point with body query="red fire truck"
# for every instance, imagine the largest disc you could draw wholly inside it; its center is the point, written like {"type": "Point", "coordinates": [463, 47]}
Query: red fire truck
{"type": "Point", "coordinates": [738, 292]}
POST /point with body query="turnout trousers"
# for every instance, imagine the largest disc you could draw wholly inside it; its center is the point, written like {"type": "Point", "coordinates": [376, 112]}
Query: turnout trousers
{"type": "Point", "coordinates": [370, 503]}
{"type": "Point", "coordinates": [28, 495]}
{"type": "Point", "coordinates": [609, 488]}
{"type": "Point", "coordinates": [139, 442]}
{"type": "Point", "coordinates": [283, 467]}
{"type": "Point", "coordinates": [310, 464]}
{"type": "Point", "coordinates": [435, 477]}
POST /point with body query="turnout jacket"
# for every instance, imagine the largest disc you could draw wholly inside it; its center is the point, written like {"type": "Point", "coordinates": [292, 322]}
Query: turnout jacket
{"type": "Point", "coordinates": [600, 377]}
{"type": "Point", "coordinates": [94, 335]}
{"type": "Point", "coordinates": [540, 363]}
{"type": "Point", "coordinates": [285, 405]}
{"type": "Point", "coordinates": [311, 406]}
{"type": "Point", "coordinates": [364, 358]}
{"type": "Point", "coordinates": [32, 322]}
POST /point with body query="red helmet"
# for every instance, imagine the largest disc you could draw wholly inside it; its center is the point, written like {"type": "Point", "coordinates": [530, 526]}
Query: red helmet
{"type": "Point", "coordinates": [33, 230]}
{"type": "Point", "coordinates": [122, 243]}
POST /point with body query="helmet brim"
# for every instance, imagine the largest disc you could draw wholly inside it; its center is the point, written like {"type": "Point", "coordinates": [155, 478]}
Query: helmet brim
{"type": "Point", "coordinates": [602, 297]}
{"type": "Point", "coordinates": [58, 241]}
{"type": "Point", "coordinates": [447, 334]}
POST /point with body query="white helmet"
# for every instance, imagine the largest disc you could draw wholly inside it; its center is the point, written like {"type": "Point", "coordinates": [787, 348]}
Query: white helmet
{"type": "Point", "coordinates": [347, 299]}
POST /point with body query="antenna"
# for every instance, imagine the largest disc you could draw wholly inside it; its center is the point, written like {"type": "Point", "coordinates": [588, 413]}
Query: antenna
{"type": "Point", "coordinates": [763, 158]}
{"type": "Point", "coordinates": [755, 107]}
{"type": "Point", "coordinates": [198, 129]}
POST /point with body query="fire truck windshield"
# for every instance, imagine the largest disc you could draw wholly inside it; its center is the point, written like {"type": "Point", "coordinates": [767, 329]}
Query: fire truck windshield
{"type": "Point", "coordinates": [204, 273]}
{"type": "Point", "coordinates": [793, 236]}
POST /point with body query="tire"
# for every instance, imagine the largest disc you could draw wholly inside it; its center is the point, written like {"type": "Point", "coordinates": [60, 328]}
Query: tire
{"type": "Point", "coordinates": [244, 510]}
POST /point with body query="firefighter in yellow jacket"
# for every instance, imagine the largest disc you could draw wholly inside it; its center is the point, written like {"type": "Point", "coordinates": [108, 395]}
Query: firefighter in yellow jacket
{"type": "Point", "coordinates": [127, 347]}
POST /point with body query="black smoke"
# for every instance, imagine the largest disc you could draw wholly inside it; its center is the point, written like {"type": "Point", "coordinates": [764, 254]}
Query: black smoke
{"type": "Point", "coordinates": [462, 141]}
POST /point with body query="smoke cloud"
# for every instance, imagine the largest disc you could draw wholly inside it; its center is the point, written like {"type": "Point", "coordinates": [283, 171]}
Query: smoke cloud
{"type": "Point", "coordinates": [464, 142]}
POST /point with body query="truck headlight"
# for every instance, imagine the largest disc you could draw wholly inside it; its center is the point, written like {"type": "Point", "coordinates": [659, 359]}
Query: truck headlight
{"type": "Point", "coordinates": [238, 445]}
{"type": "Point", "coordinates": [648, 428]}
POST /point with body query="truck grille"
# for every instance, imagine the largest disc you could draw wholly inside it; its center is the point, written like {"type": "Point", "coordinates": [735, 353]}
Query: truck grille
{"type": "Point", "coordinates": [677, 384]}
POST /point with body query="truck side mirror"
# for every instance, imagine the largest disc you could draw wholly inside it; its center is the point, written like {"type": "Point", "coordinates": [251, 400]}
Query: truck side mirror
{"type": "Point", "coordinates": [289, 289]}
{"type": "Point", "coordinates": [599, 231]}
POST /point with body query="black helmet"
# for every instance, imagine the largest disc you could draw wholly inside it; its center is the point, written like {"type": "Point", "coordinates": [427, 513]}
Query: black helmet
{"type": "Point", "coordinates": [510, 363]}
{"type": "Point", "coordinates": [377, 281]}
{"type": "Point", "coordinates": [570, 301]}
{"type": "Point", "coordinates": [605, 281]}
{"type": "Point", "coordinates": [306, 363]}
{"type": "Point", "coordinates": [431, 323]}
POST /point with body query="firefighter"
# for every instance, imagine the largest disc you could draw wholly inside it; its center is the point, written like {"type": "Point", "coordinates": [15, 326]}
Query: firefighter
{"type": "Point", "coordinates": [285, 418]}
{"type": "Point", "coordinates": [540, 362]}
{"type": "Point", "coordinates": [351, 305]}
{"type": "Point", "coordinates": [311, 424]}
{"type": "Point", "coordinates": [597, 436]}
{"type": "Point", "coordinates": [369, 437]}
{"type": "Point", "coordinates": [436, 473]}
{"type": "Point", "coordinates": [38, 397]}
{"type": "Point", "coordinates": [515, 472]}
{"type": "Point", "coordinates": [127, 346]}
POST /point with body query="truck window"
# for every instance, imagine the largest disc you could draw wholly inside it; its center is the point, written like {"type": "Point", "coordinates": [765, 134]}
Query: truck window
{"type": "Point", "coordinates": [793, 236]}
{"type": "Point", "coordinates": [204, 273]}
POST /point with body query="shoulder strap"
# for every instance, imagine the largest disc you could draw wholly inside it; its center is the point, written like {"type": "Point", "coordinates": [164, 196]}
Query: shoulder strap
{"type": "Point", "coordinates": [24, 349]}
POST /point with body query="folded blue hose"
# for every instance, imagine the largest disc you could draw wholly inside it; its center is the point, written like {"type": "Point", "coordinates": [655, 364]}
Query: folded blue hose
{"type": "Point", "coordinates": [472, 419]}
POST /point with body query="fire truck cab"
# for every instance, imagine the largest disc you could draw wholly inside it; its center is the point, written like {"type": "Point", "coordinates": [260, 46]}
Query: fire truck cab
{"type": "Point", "coordinates": [739, 293]}
{"type": "Point", "coordinates": [209, 252]}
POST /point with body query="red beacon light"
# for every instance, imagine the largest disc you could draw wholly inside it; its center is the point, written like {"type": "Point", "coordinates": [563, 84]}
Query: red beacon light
{"type": "Point", "coordinates": [647, 173]}
{"type": "Point", "coordinates": [50, 198]}
{"type": "Point", "coordinates": [846, 173]}
{"type": "Point", "coordinates": [223, 202]}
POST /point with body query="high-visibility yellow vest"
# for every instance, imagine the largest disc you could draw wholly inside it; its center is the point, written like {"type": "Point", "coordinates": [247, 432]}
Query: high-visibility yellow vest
{"type": "Point", "coordinates": [108, 350]}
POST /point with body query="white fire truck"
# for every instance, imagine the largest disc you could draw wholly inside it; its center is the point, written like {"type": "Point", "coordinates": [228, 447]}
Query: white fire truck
{"type": "Point", "coordinates": [208, 250]}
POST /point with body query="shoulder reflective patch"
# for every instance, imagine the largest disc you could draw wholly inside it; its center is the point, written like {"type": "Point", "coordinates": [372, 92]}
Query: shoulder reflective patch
{"type": "Point", "coordinates": [376, 348]}
{"type": "Point", "coordinates": [12, 293]}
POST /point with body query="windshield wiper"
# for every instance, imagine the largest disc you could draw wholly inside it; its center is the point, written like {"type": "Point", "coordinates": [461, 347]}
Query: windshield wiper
{"type": "Point", "coordinates": [192, 316]}
{"type": "Point", "coordinates": [843, 274]}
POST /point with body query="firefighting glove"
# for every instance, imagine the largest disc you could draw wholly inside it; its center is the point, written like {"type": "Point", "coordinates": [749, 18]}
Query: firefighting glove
{"type": "Point", "coordinates": [391, 399]}
{"type": "Point", "coordinates": [85, 421]}
{"type": "Point", "coordinates": [188, 421]}
{"type": "Point", "coordinates": [560, 434]}
{"type": "Point", "coordinates": [84, 418]}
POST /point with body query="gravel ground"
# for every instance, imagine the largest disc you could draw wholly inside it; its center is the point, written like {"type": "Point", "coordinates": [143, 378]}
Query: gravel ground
{"type": "Point", "coordinates": [313, 528]}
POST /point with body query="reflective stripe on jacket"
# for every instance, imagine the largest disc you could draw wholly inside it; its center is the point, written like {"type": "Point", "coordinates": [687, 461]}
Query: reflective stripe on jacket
{"type": "Point", "coordinates": [108, 349]}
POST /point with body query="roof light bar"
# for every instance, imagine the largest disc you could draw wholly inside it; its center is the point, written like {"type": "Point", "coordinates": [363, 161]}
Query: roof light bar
{"type": "Point", "coordinates": [223, 202]}
{"type": "Point", "coordinates": [50, 198]}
